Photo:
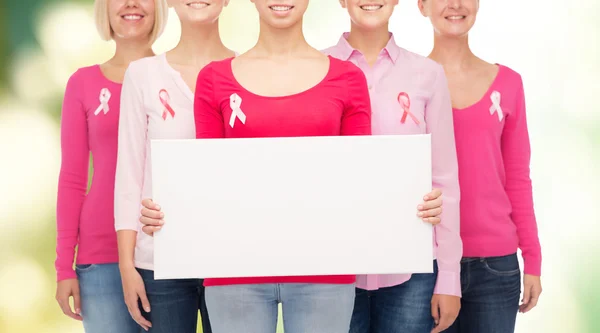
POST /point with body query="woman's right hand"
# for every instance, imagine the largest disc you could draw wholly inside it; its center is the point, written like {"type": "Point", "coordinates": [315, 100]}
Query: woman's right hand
{"type": "Point", "coordinates": [151, 217]}
{"type": "Point", "coordinates": [135, 291]}
{"type": "Point", "coordinates": [66, 289]}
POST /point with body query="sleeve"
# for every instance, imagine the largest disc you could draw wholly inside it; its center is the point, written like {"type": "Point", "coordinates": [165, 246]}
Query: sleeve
{"type": "Point", "coordinates": [207, 114]}
{"type": "Point", "coordinates": [73, 177]}
{"type": "Point", "coordinates": [131, 155]}
{"type": "Point", "coordinates": [440, 124]}
{"type": "Point", "coordinates": [516, 154]}
{"type": "Point", "coordinates": [356, 119]}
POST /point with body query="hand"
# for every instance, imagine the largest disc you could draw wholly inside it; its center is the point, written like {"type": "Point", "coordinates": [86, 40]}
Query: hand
{"type": "Point", "coordinates": [444, 309]}
{"type": "Point", "coordinates": [66, 289]}
{"type": "Point", "coordinates": [532, 288]}
{"type": "Point", "coordinates": [431, 209]}
{"type": "Point", "coordinates": [151, 217]}
{"type": "Point", "coordinates": [134, 290]}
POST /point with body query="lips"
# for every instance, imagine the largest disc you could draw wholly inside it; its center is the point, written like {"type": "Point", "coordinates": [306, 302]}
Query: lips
{"type": "Point", "coordinates": [197, 4]}
{"type": "Point", "coordinates": [281, 8]}
{"type": "Point", "coordinates": [371, 8]}
{"type": "Point", "coordinates": [133, 17]}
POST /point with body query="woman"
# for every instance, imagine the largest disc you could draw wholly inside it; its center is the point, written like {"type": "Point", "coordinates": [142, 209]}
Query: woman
{"type": "Point", "coordinates": [492, 142]}
{"type": "Point", "coordinates": [409, 95]}
{"type": "Point", "coordinates": [157, 103]}
{"type": "Point", "coordinates": [89, 123]}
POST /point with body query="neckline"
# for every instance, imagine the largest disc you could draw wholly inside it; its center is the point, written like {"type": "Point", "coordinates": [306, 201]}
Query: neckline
{"type": "Point", "coordinates": [300, 93]}
{"type": "Point", "coordinates": [99, 69]}
{"type": "Point", "coordinates": [487, 93]}
{"type": "Point", "coordinates": [177, 78]}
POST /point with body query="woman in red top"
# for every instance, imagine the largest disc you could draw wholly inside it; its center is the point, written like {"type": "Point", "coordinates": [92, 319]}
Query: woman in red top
{"type": "Point", "coordinates": [234, 100]}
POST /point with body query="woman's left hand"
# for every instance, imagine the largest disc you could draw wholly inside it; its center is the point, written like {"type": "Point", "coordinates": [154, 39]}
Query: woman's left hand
{"type": "Point", "coordinates": [431, 209]}
{"type": "Point", "coordinates": [532, 288]}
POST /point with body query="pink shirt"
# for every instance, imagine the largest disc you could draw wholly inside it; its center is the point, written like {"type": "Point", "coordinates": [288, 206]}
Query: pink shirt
{"type": "Point", "coordinates": [492, 142]}
{"type": "Point", "coordinates": [89, 123]}
{"type": "Point", "coordinates": [156, 103]}
{"type": "Point", "coordinates": [403, 80]}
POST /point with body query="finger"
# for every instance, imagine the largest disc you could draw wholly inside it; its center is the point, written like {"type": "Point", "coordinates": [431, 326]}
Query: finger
{"type": "Point", "coordinates": [432, 220]}
{"type": "Point", "coordinates": [535, 295]}
{"type": "Point", "coordinates": [148, 203]}
{"type": "Point", "coordinates": [434, 194]}
{"type": "Point", "coordinates": [526, 298]}
{"type": "Point", "coordinates": [434, 212]}
{"type": "Point", "coordinates": [144, 300]}
{"type": "Point", "coordinates": [77, 301]}
{"type": "Point", "coordinates": [152, 215]}
{"type": "Point", "coordinates": [66, 308]}
{"type": "Point", "coordinates": [435, 311]}
{"type": "Point", "coordinates": [430, 204]}
{"type": "Point", "coordinates": [134, 311]}
{"type": "Point", "coordinates": [445, 322]}
{"type": "Point", "coordinates": [146, 220]}
{"type": "Point", "coordinates": [150, 230]}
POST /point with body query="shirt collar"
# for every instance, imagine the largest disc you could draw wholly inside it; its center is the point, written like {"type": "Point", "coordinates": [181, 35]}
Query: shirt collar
{"type": "Point", "coordinates": [392, 50]}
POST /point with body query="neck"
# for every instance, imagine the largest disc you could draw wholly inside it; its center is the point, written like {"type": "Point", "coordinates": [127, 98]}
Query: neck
{"type": "Point", "coordinates": [199, 43]}
{"type": "Point", "coordinates": [369, 42]}
{"type": "Point", "coordinates": [274, 42]}
{"type": "Point", "coordinates": [453, 53]}
{"type": "Point", "coordinates": [128, 51]}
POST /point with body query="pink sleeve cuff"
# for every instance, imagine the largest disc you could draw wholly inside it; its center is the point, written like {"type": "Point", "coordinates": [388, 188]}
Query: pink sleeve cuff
{"type": "Point", "coordinates": [448, 283]}
{"type": "Point", "coordinates": [533, 266]}
{"type": "Point", "coordinates": [65, 275]}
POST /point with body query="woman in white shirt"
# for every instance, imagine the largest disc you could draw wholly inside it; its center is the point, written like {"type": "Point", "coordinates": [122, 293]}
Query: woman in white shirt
{"type": "Point", "coordinates": [157, 103]}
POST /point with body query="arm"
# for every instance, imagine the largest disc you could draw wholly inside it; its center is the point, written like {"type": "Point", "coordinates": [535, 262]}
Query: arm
{"type": "Point", "coordinates": [131, 160]}
{"type": "Point", "coordinates": [73, 178]}
{"type": "Point", "coordinates": [207, 115]}
{"type": "Point", "coordinates": [356, 119]}
{"type": "Point", "coordinates": [516, 155]}
{"type": "Point", "coordinates": [129, 181]}
{"type": "Point", "coordinates": [440, 124]}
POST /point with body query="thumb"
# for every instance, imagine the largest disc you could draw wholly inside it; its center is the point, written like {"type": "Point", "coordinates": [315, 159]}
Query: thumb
{"type": "Point", "coordinates": [144, 300]}
{"type": "Point", "coordinates": [526, 294]}
{"type": "Point", "coordinates": [148, 203]}
{"type": "Point", "coordinates": [77, 299]}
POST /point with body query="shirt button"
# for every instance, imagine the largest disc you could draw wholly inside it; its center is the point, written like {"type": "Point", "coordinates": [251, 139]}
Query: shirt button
{"type": "Point", "coordinates": [370, 87]}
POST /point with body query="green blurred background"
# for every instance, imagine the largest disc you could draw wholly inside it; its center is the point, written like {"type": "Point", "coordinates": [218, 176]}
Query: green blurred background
{"type": "Point", "coordinates": [553, 44]}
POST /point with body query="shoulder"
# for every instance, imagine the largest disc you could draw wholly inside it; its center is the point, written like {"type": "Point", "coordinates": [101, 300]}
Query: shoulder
{"type": "Point", "coordinates": [222, 67]}
{"type": "Point", "coordinates": [85, 74]}
{"type": "Point", "coordinates": [346, 69]}
{"type": "Point", "coordinates": [330, 51]}
{"type": "Point", "coordinates": [509, 77]}
{"type": "Point", "coordinates": [424, 65]}
{"type": "Point", "coordinates": [144, 66]}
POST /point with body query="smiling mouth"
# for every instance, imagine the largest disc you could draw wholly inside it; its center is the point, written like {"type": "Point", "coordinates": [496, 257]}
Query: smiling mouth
{"type": "Point", "coordinates": [371, 8]}
{"type": "Point", "coordinates": [281, 9]}
{"type": "Point", "coordinates": [197, 5]}
{"type": "Point", "coordinates": [455, 17]}
{"type": "Point", "coordinates": [132, 17]}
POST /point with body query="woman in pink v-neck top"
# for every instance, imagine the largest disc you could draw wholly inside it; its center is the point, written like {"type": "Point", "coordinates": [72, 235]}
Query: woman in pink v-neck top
{"type": "Point", "coordinates": [493, 150]}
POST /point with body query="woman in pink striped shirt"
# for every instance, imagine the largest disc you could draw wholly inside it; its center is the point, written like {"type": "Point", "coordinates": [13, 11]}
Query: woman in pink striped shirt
{"type": "Point", "coordinates": [409, 95]}
{"type": "Point", "coordinates": [89, 123]}
{"type": "Point", "coordinates": [492, 142]}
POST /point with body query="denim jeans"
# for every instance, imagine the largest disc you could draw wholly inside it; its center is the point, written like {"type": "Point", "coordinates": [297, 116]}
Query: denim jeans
{"type": "Point", "coordinates": [490, 295]}
{"type": "Point", "coordinates": [102, 303]}
{"type": "Point", "coordinates": [174, 304]}
{"type": "Point", "coordinates": [405, 308]}
{"type": "Point", "coordinates": [307, 308]}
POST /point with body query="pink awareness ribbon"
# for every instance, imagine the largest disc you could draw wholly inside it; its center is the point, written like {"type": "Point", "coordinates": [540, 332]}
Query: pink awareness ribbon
{"type": "Point", "coordinates": [164, 99]}
{"type": "Point", "coordinates": [404, 101]}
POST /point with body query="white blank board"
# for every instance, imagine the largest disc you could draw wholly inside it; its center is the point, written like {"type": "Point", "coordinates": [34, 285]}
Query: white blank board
{"type": "Point", "coordinates": [291, 206]}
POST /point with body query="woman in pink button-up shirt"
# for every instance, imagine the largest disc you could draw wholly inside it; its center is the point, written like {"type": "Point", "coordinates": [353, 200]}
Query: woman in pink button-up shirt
{"type": "Point", "coordinates": [492, 143]}
{"type": "Point", "coordinates": [409, 95]}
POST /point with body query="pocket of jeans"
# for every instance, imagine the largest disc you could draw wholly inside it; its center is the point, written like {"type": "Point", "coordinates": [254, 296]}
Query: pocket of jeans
{"type": "Point", "coordinates": [85, 267]}
{"type": "Point", "coordinates": [502, 266]}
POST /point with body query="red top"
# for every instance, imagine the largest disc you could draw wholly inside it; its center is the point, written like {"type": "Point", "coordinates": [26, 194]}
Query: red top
{"type": "Point", "coordinates": [338, 105]}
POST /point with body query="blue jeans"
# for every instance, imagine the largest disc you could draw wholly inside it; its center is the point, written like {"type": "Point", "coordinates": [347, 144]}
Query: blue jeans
{"type": "Point", "coordinates": [174, 304]}
{"type": "Point", "coordinates": [405, 308]}
{"type": "Point", "coordinates": [490, 295]}
{"type": "Point", "coordinates": [102, 303]}
{"type": "Point", "coordinates": [307, 308]}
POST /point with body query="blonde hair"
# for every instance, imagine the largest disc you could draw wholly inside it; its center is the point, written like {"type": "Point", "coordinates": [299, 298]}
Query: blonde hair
{"type": "Point", "coordinates": [161, 12]}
